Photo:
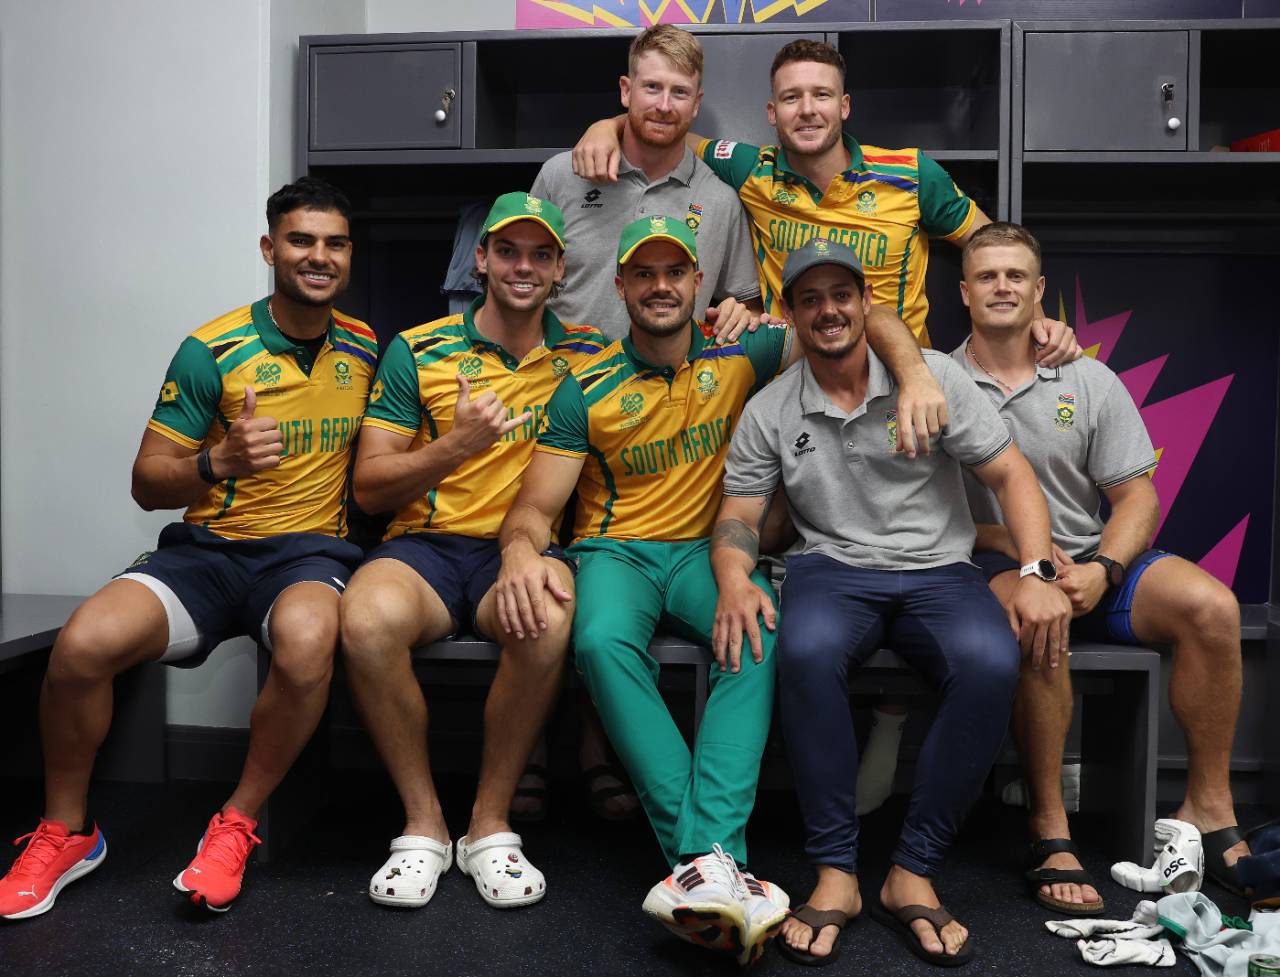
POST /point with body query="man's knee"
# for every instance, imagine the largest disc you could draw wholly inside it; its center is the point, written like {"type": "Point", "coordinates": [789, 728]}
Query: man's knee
{"type": "Point", "coordinates": [986, 662]}
{"type": "Point", "coordinates": [1211, 609]}
{"type": "Point", "coordinates": [546, 652]}
{"type": "Point", "coordinates": [95, 645]}
{"type": "Point", "coordinates": [811, 645]}
{"type": "Point", "coordinates": [374, 621]}
{"type": "Point", "coordinates": [304, 634]}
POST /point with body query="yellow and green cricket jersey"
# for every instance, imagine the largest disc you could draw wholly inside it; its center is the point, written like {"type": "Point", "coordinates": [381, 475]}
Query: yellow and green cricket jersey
{"type": "Point", "coordinates": [416, 392]}
{"type": "Point", "coordinates": [655, 438]}
{"type": "Point", "coordinates": [885, 207]}
{"type": "Point", "coordinates": [316, 404]}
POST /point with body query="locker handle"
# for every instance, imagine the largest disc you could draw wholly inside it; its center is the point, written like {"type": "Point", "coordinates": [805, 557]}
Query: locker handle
{"type": "Point", "coordinates": [446, 99]}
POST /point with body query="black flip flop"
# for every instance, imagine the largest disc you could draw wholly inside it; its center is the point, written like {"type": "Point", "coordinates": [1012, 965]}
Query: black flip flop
{"type": "Point", "coordinates": [815, 919]}
{"type": "Point", "coordinates": [1037, 877]}
{"type": "Point", "coordinates": [898, 921]}
{"type": "Point", "coordinates": [1215, 845]}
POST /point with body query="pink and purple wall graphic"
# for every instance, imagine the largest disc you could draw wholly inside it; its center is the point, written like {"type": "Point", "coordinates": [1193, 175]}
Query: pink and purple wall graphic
{"type": "Point", "coordinates": [543, 14]}
{"type": "Point", "coordinates": [1178, 425]}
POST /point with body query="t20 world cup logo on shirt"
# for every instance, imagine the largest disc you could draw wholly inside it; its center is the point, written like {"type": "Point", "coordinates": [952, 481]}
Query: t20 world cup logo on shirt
{"type": "Point", "coordinates": [631, 404]}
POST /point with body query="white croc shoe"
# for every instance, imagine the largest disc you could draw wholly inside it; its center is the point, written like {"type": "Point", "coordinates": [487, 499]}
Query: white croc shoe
{"type": "Point", "coordinates": [410, 875]}
{"type": "Point", "coordinates": [504, 877]}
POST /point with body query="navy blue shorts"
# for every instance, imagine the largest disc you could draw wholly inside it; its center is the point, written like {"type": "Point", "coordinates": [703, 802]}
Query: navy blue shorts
{"type": "Point", "coordinates": [1110, 620]}
{"type": "Point", "coordinates": [460, 569]}
{"type": "Point", "coordinates": [229, 585]}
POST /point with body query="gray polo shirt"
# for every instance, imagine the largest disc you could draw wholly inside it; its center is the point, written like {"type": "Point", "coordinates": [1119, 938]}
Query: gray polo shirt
{"type": "Point", "coordinates": [594, 217]}
{"type": "Point", "coordinates": [852, 496]}
{"type": "Point", "coordinates": [1081, 431]}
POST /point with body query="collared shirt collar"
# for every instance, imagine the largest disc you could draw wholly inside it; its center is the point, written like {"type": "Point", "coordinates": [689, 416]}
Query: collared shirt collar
{"type": "Point", "coordinates": [1042, 372]}
{"type": "Point", "coordinates": [552, 329]}
{"type": "Point", "coordinates": [697, 343]}
{"type": "Point", "coordinates": [270, 334]}
{"type": "Point", "coordinates": [851, 144]}
{"type": "Point", "coordinates": [683, 172]}
{"type": "Point", "coordinates": [813, 400]}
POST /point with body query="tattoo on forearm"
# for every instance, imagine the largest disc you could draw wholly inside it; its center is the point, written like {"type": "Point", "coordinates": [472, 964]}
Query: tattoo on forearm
{"type": "Point", "coordinates": [738, 535]}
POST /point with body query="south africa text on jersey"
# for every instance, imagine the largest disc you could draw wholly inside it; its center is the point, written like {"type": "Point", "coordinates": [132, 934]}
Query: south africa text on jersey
{"type": "Point", "coordinates": [786, 236]}
{"type": "Point", "coordinates": [325, 435]}
{"type": "Point", "coordinates": [698, 442]}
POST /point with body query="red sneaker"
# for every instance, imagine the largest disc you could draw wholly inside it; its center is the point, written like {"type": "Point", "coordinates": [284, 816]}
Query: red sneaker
{"type": "Point", "coordinates": [53, 857]}
{"type": "Point", "coordinates": [214, 875]}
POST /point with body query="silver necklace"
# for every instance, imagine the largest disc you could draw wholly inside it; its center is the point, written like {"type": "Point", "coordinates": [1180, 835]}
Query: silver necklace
{"type": "Point", "coordinates": [1003, 384]}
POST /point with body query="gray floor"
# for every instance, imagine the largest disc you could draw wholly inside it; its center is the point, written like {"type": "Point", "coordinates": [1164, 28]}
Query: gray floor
{"type": "Point", "coordinates": [307, 913]}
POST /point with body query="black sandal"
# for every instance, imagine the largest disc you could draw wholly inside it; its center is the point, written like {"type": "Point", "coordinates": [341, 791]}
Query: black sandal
{"type": "Point", "coordinates": [1215, 845]}
{"type": "Point", "coordinates": [597, 796]}
{"type": "Point", "coordinates": [539, 794]}
{"type": "Point", "coordinates": [899, 921]}
{"type": "Point", "coordinates": [1036, 877]}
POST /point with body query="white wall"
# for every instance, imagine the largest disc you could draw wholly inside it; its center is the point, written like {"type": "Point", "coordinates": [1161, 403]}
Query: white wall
{"type": "Point", "coordinates": [138, 143]}
{"type": "Point", "coordinates": [440, 15]}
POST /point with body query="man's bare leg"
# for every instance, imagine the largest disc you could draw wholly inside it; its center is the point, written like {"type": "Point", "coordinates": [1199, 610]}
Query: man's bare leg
{"type": "Point", "coordinates": [387, 610]}
{"type": "Point", "coordinates": [1179, 604]}
{"type": "Point", "coordinates": [528, 678]}
{"type": "Point", "coordinates": [1041, 717]}
{"type": "Point", "coordinates": [836, 889]}
{"type": "Point", "coordinates": [122, 625]}
{"type": "Point", "coordinates": [303, 628]}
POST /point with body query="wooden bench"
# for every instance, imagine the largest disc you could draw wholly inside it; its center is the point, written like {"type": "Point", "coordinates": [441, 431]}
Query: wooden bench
{"type": "Point", "coordinates": [1119, 688]}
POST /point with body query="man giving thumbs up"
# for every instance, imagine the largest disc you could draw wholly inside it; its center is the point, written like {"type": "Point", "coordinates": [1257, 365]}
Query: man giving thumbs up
{"type": "Point", "coordinates": [259, 551]}
{"type": "Point", "coordinates": [450, 429]}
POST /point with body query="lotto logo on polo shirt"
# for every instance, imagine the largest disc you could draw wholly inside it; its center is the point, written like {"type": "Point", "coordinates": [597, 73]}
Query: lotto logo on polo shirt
{"type": "Point", "coordinates": [802, 445]}
{"type": "Point", "coordinates": [591, 198]}
{"type": "Point", "coordinates": [724, 149]}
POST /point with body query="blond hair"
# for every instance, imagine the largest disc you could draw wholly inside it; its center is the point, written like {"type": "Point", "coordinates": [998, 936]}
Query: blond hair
{"type": "Point", "coordinates": [679, 47]}
{"type": "Point", "coordinates": [1000, 233]}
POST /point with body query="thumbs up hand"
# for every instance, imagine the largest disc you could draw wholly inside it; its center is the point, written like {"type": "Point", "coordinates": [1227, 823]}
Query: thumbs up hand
{"type": "Point", "coordinates": [478, 423]}
{"type": "Point", "coordinates": [252, 444]}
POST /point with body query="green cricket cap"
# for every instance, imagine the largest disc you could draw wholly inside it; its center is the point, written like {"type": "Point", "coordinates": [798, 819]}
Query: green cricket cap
{"type": "Point", "coordinates": [657, 228]}
{"type": "Point", "coordinates": [521, 206]}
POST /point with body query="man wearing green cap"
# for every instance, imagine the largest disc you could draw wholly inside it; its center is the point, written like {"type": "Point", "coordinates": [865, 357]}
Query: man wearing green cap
{"type": "Point", "coordinates": [448, 463]}
{"type": "Point", "coordinates": [640, 430]}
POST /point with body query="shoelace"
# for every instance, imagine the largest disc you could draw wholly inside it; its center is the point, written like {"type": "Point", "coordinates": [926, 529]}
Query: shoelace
{"type": "Point", "coordinates": [45, 847]}
{"type": "Point", "coordinates": [227, 844]}
{"type": "Point", "coordinates": [726, 863]}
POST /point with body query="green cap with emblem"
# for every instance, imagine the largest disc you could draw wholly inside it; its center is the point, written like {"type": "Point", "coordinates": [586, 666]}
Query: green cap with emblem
{"type": "Point", "coordinates": [521, 206]}
{"type": "Point", "coordinates": [656, 228]}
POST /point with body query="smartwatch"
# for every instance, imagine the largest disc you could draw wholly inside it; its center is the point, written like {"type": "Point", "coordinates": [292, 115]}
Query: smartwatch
{"type": "Point", "coordinates": [1115, 571]}
{"type": "Point", "coordinates": [1044, 569]}
{"type": "Point", "coordinates": [204, 467]}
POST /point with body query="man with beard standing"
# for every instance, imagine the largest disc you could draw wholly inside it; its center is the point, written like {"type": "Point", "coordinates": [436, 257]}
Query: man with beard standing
{"type": "Point", "coordinates": [657, 175]}
{"type": "Point", "coordinates": [448, 464]}
{"type": "Point", "coordinates": [654, 412]}
{"type": "Point", "coordinates": [252, 432]}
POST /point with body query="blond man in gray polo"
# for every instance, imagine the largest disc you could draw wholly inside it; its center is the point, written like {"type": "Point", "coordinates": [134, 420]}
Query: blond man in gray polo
{"type": "Point", "coordinates": [1082, 433]}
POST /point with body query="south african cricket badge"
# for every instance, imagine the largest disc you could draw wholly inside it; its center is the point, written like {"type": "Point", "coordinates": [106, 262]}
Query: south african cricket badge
{"type": "Point", "coordinates": [1065, 416]}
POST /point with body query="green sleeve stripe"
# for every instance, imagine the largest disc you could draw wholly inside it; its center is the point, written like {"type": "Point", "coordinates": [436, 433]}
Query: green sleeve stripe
{"type": "Point", "coordinates": [943, 206]}
{"type": "Point", "coordinates": [902, 271]}
{"type": "Point", "coordinates": [188, 401]}
{"type": "Point", "coordinates": [733, 162]}
{"type": "Point", "coordinates": [601, 389]}
{"type": "Point", "coordinates": [441, 352]}
{"type": "Point", "coordinates": [237, 357]}
{"type": "Point", "coordinates": [434, 432]}
{"type": "Point", "coordinates": [398, 399]}
{"type": "Point", "coordinates": [609, 483]}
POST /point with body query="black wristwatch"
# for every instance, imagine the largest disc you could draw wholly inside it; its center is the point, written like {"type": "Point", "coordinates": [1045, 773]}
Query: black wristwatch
{"type": "Point", "coordinates": [1044, 569]}
{"type": "Point", "coordinates": [1115, 571]}
{"type": "Point", "coordinates": [204, 467]}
